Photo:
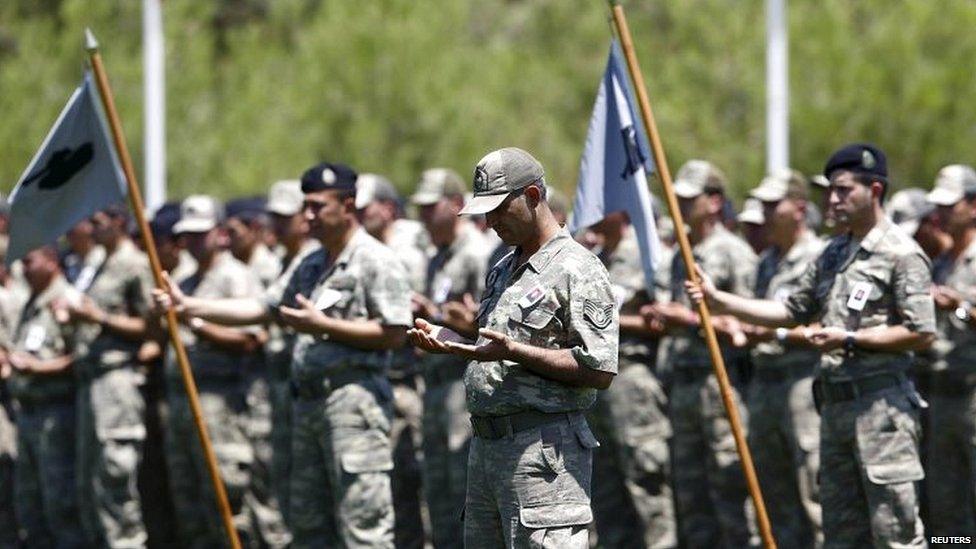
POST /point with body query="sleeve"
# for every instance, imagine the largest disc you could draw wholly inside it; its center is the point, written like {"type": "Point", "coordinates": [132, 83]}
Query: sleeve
{"type": "Point", "coordinates": [388, 293]}
{"type": "Point", "coordinates": [594, 322]}
{"type": "Point", "coordinates": [802, 304]}
{"type": "Point", "coordinates": [742, 268]}
{"type": "Point", "coordinates": [139, 288]}
{"type": "Point", "coordinates": [912, 282]}
{"type": "Point", "coordinates": [243, 283]}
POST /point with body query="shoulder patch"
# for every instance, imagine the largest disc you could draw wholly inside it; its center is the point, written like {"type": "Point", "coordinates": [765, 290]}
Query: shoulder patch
{"type": "Point", "coordinates": [599, 315]}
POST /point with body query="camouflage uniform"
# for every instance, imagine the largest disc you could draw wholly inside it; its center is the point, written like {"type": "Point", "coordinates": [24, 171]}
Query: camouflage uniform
{"type": "Point", "coordinates": [453, 271]}
{"type": "Point", "coordinates": [277, 352]}
{"type": "Point", "coordinates": [219, 376]}
{"type": "Point", "coordinates": [530, 461]}
{"type": "Point", "coordinates": [9, 303]}
{"type": "Point", "coordinates": [784, 427]}
{"type": "Point", "coordinates": [111, 406]}
{"type": "Point", "coordinates": [47, 510]}
{"type": "Point", "coordinates": [341, 455]}
{"type": "Point", "coordinates": [710, 489]}
{"type": "Point", "coordinates": [631, 470]}
{"type": "Point", "coordinates": [951, 452]}
{"type": "Point", "coordinates": [869, 461]}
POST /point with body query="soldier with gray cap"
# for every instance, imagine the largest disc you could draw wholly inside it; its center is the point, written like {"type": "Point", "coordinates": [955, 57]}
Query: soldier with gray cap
{"type": "Point", "coordinates": [708, 465]}
{"type": "Point", "coordinates": [784, 428]}
{"type": "Point", "coordinates": [951, 451]}
{"type": "Point", "coordinates": [752, 225]}
{"type": "Point", "coordinates": [547, 340]}
{"type": "Point", "coordinates": [869, 290]}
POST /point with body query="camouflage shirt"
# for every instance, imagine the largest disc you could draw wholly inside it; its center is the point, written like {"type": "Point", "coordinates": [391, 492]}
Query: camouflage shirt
{"type": "Point", "coordinates": [955, 347]}
{"type": "Point", "coordinates": [627, 279]}
{"type": "Point", "coordinates": [281, 338]}
{"type": "Point", "coordinates": [409, 244]}
{"type": "Point", "coordinates": [776, 278]}
{"type": "Point", "coordinates": [364, 282]}
{"type": "Point", "coordinates": [883, 280]}
{"type": "Point", "coordinates": [264, 264]}
{"type": "Point", "coordinates": [560, 298]}
{"type": "Point", "coordinates": [121, 285]}
{"type": "Point", "coordinates": [731, 264]}
{"type": "Point", "coordinates": [227, 278]}
{"type": "Point", "coordinates": [39, 334]}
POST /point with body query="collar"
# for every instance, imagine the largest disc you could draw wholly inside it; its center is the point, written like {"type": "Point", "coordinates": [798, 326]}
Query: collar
{"type": "Point", "coordinates": [874, 236]}
{"type": "Point", "coordinates": [358, 238]}
{"type": "Point", "coordinates": [54, 289]}
{"type": "Point", "coordinates": [541, 258]}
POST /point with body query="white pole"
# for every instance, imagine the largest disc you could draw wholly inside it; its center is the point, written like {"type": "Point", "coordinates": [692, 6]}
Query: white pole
{"type": "Point", "coordinates": [777, 87]}
{"type": "Point", "coordinates": [154, 89]}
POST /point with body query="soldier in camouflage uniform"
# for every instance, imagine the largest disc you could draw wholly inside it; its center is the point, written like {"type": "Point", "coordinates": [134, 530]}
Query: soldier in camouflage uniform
{"type": "Point", "coordinates": [870, 291]}
{"type": "Point", "coordinates": [379, 206]}
{"type": "Point", "coordinates": [218, 356]}
{"type": "Point", "coordinates": [456, 270]}
{"type": "Point", "coordinates": [111, 323]}
{"type": "Point", "coordinates": [784, 427]}
{"type": "Point", "coordinates": [349, 302]}
{"type": "Point", "coordinates": [710, 489]}
{"type": "Point", "coordinates": [951, 455]}
{"type": "Point", "coordinates": [548, 339]}
{"type": "Point", "coordinates": [83, 255]}
{"type": "Point", "coordinates": [284, 206]}
{"type": "Point", "coordinates": [631, 470]}
{"type": "Point", "coordinates": [246, 224]}
{"type": "Point", "coordinates": [43, 385]}
{"type": "Point", "coordinates": [10, 304]}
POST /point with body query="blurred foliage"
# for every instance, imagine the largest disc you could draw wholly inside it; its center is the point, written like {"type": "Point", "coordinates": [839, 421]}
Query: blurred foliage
{"type": "Point", "coordinates": [258, 90]}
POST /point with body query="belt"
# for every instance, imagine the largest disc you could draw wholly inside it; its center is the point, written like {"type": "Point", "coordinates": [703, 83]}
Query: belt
{"type": "Point", "coordinates": [830, 392]}
{"type": "Point", "coordinates": [779, 374]}
{"type": "Point", "coordinates": [496, 427]}
{"type": "Point", "coordinates": [326, 385]}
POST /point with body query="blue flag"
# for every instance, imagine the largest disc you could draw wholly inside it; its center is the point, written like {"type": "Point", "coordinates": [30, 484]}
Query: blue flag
{"type": "Point", "coordinates": [74, 174]}
{"type": "Point", "coordinates": [615, 162]}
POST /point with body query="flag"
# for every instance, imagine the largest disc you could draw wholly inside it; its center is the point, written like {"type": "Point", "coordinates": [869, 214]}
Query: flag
{"type": "Point", "coordinates": [616, 159]}
{"type": "Point", "coordinates": [74, 174]}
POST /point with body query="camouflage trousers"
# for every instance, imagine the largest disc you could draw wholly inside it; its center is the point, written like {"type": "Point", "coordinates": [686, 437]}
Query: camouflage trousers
{"type": "Point", "coordinates": [110, 439]}
{"type": "Point", "coordinates": [951, 468]}
{"type": "Point", "coordinates": [47, 510]}
{"type": "Point", "coordinates": [341, 458]}
{"type": "Point", "coordinates": [262, 497]}
{"type": "Point", "coordinates": [711, 497]}
{"type": "Point", "coordinates": [194, 500]}
{"type": "Point", "coordinates": [531, 489]}
{"type": "Point", "coordinates": [405, 438]}
{"type": "Point", "coordinates": [8, 455]}
{"type": "Point", "coordinates": [869, 468]}
{"type": "Point", "coordinates": [784, 437]}
{"type": "Point", "coordinates": [281, 443]}
{"type": "Point", "coordinates": [446, 439]}
{"type": "Point", "coordinates": [632, 500]}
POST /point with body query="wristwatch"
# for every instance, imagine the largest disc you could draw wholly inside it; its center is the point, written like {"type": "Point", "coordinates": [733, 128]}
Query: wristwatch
{"type": "Point", "coordinates": [962, 312]}
{"type": "Point", "coordinates": [781, 334]}
{"type": "Point", "coordinates": [849, 341]}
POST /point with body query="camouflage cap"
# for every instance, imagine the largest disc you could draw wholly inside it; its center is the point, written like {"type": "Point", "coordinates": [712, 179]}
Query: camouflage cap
{"type": "Point", "coordinates": [781, 184]}
{"type": "Point", "coordinates": [907, 208]}
{"type": "Point", "coordinates": [500, 173]}
{"type": "Point", "coordinates": [820, 181]}
{"type": "Point", "coordinates": [752, 212]}
{"type": "Point", "coordinates": [952, 184]}
{"type": "Point", "coordinates": [198, 214]}
{"type": "Point", "coordinates": [371, 187]}
{"type": "Point", "coordinates": [437, 183]}
{"type": "Point", "coordinates": [285, 197]}
{"type": "Point", "coordinates": [696, 177]}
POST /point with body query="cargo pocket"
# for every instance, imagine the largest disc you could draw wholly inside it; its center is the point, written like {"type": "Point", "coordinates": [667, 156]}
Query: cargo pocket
{"type": "Point", "coordinates": [552, 526]}
{"type": "Point", "coordinates": [366, 462]}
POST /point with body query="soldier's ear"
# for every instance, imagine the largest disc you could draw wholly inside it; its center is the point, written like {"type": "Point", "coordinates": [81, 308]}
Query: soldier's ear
{"type": "Point", "coordinates": [533, 195]}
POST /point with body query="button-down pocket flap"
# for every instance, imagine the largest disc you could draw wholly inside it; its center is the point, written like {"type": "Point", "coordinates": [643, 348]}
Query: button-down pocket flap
{"type": "Point", "coordinates": [556, 515]}
{"type": "Point", "coordinates": [537, 316]}
{"type": "Point", "coordinates": [366, 462]}
{"type": "Point", "coordinates": [894, 473]}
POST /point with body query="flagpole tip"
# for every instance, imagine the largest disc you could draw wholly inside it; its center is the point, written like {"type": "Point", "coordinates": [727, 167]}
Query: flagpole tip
{"type": "Point", "coordinates": [91, 45]}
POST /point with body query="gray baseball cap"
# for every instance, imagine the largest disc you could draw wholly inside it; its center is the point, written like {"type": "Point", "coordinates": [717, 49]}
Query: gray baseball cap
{"type": "Point", "coordinates": [371, 187]}
{"type": "Point", "coordinates": [285, 197]}
{"type": "Point", "coordinates": [437, 183]}
{"type": "Point", "coordinates": [781, 184]}
{"type": "Point", "coordinates": [696, 177]}
{"type": "Point", "coordinates": [952, 184]}
{"type": "Point", "coordinates": [752, 212]}
{"type": "Point", "coordinates": [499, 174]}
{"type": "Point", "coordinates": [907, 208]}
{"type": "Point", "coordinates": [198, 214]}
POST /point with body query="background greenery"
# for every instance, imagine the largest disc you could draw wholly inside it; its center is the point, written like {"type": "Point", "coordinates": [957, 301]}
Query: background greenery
{"type": "Point", "coordinates": [260, 89]}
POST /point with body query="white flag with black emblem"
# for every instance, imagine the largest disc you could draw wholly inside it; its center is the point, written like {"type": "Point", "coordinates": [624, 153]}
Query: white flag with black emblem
{"type": "Point", "coordinates": [74, 174]}
{"type": "Point", "coordinates": [616, 159]}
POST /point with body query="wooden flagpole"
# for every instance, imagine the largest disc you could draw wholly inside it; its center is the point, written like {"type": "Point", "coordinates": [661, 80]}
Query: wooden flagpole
{"type": "Point", "coordinates": [718, 363]}
{"type": "Point", "coordinates": [135, 201]}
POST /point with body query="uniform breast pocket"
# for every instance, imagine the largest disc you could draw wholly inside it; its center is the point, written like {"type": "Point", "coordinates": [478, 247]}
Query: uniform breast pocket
{"type": "Point", "coordinates": [865, 297]}
{"type": "Point", "coordinates": [535, 324]}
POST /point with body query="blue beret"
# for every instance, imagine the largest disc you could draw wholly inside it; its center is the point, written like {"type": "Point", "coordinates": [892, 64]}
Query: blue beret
{"type": "Point", "coordinates": [858, 157]}
{"type": "Point", "coordinates": [165, 217]}
{"type": "Point", "coordinates": [328, 177]}
{"type": "Point", "coordinates": [245, 209]}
